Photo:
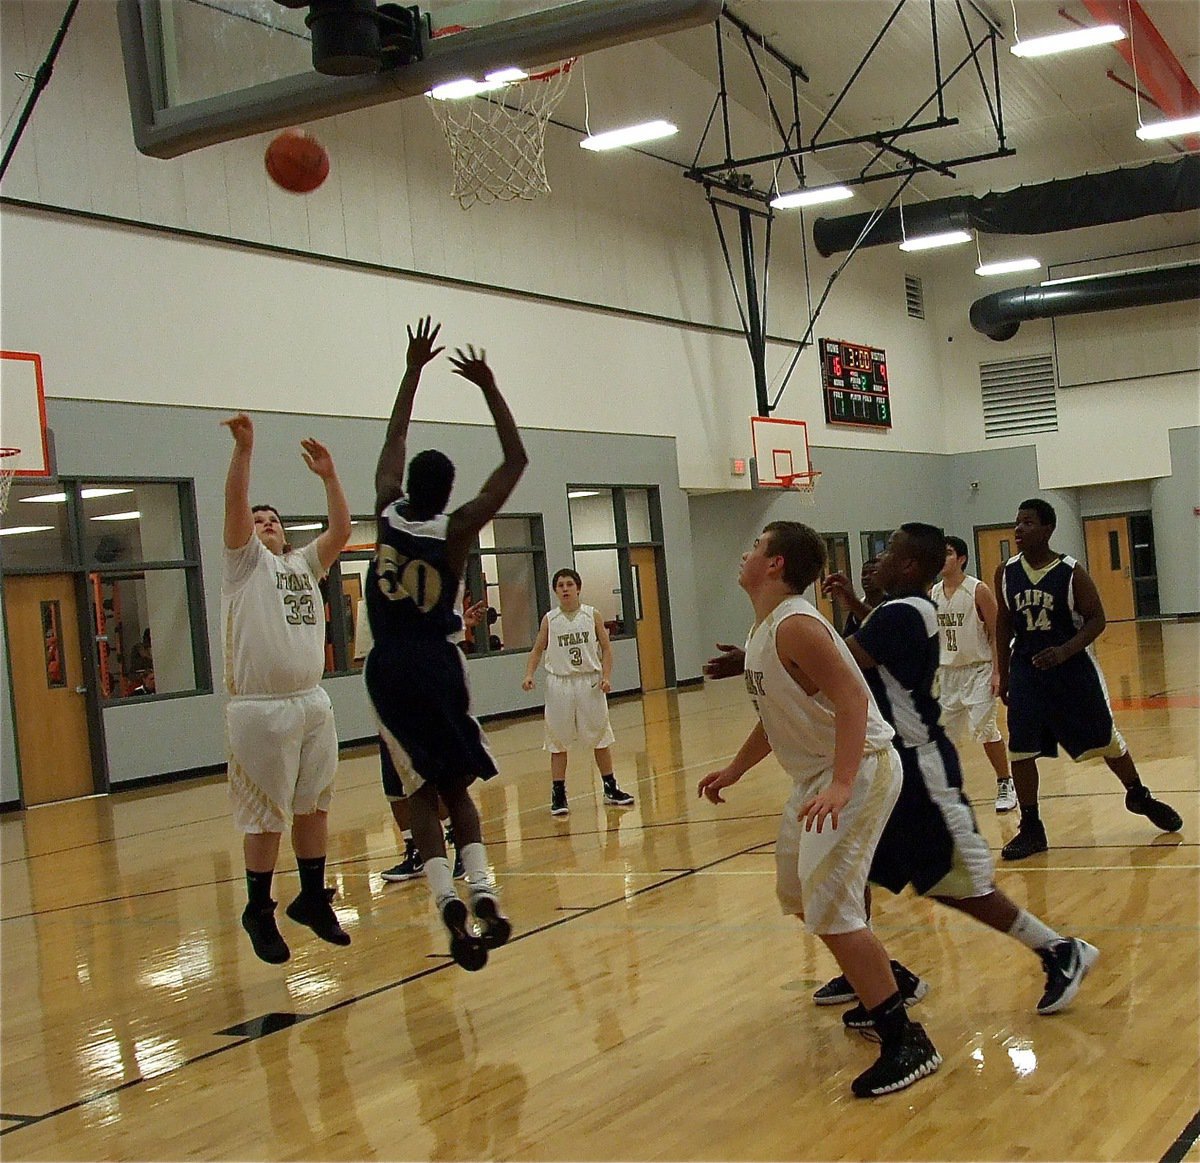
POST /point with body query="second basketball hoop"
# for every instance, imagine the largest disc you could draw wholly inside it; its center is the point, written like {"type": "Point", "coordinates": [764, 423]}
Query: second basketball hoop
{"type": "Point", "coordinates": [781, 458]}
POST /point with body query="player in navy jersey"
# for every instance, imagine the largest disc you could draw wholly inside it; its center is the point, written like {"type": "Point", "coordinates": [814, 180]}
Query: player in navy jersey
{"type": "Point", "coordinates": [415, 675]}
{"type": "Point", "coordinates": [931, 840]}
{"type": "Point", "coordinates": [1049, 615]}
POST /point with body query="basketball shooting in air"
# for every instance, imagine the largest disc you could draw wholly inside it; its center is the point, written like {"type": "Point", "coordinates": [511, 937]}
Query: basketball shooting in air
{"type": "Point", "coordinates": [297, 162]}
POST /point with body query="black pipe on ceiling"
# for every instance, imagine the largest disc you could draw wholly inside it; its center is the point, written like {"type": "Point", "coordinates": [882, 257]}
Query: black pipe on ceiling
{"type": "Point", "coordinates": [1000, 315]}
{"type": "Point", "coordinates": [1064, 204]}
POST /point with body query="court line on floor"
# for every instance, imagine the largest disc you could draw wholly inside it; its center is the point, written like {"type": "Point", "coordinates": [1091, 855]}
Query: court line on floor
{"type": "Point", "coordinates": [576, 914]}
{"type": "Point", "coordinates": [1178, 1150]}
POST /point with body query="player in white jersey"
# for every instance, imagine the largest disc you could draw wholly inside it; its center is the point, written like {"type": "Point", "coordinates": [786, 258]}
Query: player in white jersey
{"type": "Point", "coordinates": [968, 670]}
{"type": "Point", "coordinates": [279, 720]}
{"type": "Point", "coordinates": [818, 717]}
{"type": "Point", "coordinates": [579, 661]}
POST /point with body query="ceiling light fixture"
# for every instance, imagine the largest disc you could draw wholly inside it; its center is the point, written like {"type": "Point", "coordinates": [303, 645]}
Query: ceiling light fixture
{"type": "Point", "coordinates": [131, 516]}
{"type": "Point", "coordinates": [629, 135]}
{"type": "Point", "coordinates": [1042, 46]}
{"type": "Point", "coordinates": [13, 530]}
{"type": "Point", "coordinates": [1007, 266]}
{"type": "Point", "coordinates": [59, 498]}
{"type": "Point", "coordinates": [814, 197]}
{"type": "Point", "coordinates": [1180, 127]}
{"type": "Point", "coordinates": [575, 494]}
{"type": "Point", "coordinates": [304, 528]}
{"type": "Point", "coordinates": [933, 241]}
{"type": "Point", "coordinates": [457, 90]}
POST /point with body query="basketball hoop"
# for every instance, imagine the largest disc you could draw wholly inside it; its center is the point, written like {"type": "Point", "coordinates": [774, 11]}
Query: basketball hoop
{"type": "Point", "coordinates": [6, 474]}
{"type": "Point", "coordinates": [496, 131]}
{"type": "Point", "coordinates": [802, 483]}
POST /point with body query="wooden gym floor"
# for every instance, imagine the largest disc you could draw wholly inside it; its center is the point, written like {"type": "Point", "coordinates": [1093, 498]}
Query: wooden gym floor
{"type": "Point", "coordinates": [653, 1003]}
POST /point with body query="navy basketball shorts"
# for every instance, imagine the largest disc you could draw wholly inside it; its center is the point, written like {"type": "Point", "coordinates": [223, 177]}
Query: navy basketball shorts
{"type": "Point", "coordinates": [930, 840]}
{"type": "Point", "coordinates": [1065, 706]}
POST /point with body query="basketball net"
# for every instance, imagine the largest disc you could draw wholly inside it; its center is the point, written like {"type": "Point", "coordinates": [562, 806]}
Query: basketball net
{"type": "Point", "coordinates": [6, 474]}
{"type": "Point", "coordinates": [497, 136]}
{"type": "Point", "coordinates": [804, 485]}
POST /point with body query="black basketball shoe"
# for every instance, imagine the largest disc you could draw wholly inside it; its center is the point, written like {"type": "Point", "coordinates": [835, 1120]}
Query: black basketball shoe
{"type": "Point", "coordinates": [259, 923]}
{"type": "Point", "coordinates": [1029, 840]}
{"type": "Point", "coordinates": [494, 927]}
{"type": "Point", "coordinates": [1164, 817]}
{"type": "Point", "coordinates": [912, 989]}
{"type": "Point", "coordinates": [317, 913]}
{"type": "Point", "coordinates": [465, 947]}
{"type": "Point", "coordinates": [1067, 963]}
{"type": "Point", "coordinates": [899, 1065]}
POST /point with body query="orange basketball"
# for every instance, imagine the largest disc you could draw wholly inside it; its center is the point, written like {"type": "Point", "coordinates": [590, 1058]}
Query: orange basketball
{"type": "Point", "coordinates": [297, 162]}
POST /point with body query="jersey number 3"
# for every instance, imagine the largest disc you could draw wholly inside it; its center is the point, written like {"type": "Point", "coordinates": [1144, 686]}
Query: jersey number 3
{"type": "Point", "coordinates": [408, 577]}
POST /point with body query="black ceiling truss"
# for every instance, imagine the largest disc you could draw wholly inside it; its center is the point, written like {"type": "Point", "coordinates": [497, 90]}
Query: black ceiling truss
{"type": "Point", "coordinates": [889, 160]}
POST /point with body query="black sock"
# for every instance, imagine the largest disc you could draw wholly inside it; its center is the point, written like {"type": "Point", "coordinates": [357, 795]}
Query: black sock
{"type": "Point", "coordinates": [1137, 789]}
{"type": "Point", "coordinates": [891, 1019]}
{"type": "Point", "coordinates": [609, 778]}
{"type": "Point", "coordinates": [258, 888]}
{"type": "Point", "coordinates": [1030, 814]}
{"type": "Point", "coordinates": [312, 875]}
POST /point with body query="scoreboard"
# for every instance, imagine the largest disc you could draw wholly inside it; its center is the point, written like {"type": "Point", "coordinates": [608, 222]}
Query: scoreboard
{"type": "Point", "coordinates": [854, 383]}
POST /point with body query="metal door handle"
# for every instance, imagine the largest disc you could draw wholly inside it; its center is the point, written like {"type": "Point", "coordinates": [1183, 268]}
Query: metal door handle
{"type": "Point", "coordinates": [81, 690]}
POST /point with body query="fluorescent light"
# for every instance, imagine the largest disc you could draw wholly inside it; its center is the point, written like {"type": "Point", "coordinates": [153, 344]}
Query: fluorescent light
{"type": "Point", "coordinates": [132, 516]}
{"type": "Point", "coordinates": [59, 498]}
{"type": "Point", "coordinates": [813, 197]}
{"type": "Point", "coordinates": [1041, 46]}
{"type": "Point", "coordinates": [304, 528]}
{"type": "Point", "coordinates": [12, 530]}
{"type": "Point", "coordinates": [1008, 266]}
{"type": "Point", "coordinates": [1180, 127]}
{"type": "Point", "coordinates": [575, 494]}
{"type": "Point", "coordinates": [457, 90]}
{"type": "Point", "coordinates": [933, 241]}
{"type": "Point", "coordinates": [630, 135]}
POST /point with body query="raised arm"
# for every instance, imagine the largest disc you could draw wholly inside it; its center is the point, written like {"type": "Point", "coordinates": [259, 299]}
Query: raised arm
{"type": "Point", "coordinates": [389, 472]}
{"type": "Point", "coordinates": [331, 543]}
{"type": "Point", "coordinates": [466, 521]}
{"type": "Point", "coordinates": [239, 521]}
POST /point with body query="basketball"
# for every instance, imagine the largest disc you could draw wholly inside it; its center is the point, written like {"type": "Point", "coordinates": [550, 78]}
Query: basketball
{"type": "Point", "coordinates": [297, 162]}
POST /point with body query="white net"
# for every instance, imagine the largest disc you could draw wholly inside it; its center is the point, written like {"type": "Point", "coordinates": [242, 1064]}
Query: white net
{"type": "Point", "coordinates": [7, 468]}
{"type": "Point", "coordinates": [497, 139]}
{"type": "Point", "coordinates": [804, 485]}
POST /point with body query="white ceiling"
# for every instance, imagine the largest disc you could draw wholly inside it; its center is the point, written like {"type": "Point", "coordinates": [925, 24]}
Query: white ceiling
{"type": "Point", "coordinates": [1062, 114]}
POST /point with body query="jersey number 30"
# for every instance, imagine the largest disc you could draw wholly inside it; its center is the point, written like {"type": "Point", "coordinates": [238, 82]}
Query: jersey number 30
{"type": "Point", "coordinates": [408, 577]}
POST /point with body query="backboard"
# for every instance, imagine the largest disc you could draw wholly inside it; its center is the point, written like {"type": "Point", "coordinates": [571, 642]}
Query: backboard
{"type": "Point", "coordinates": [201, 72]}
{"type": "Point", "coordinates": [781, 457]}
{"type": "Point", "coordinates": [23, 414]}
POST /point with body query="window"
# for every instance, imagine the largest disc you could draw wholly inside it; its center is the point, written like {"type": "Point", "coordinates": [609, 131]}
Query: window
{"type": "Point", "coordinates": [605, 522]}
{"type": "Point", "coordinates": [506, 566]}
{"type": "Point", "coordinates": [874, 542]}
{"type": "Point", "coordinates": [133, 544]}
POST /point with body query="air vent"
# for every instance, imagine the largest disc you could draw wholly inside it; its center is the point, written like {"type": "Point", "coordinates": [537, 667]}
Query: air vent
{"type": "Point", "coordinates": [914, 297]}
{"type": "Point", "coordinates": [1018, 396]}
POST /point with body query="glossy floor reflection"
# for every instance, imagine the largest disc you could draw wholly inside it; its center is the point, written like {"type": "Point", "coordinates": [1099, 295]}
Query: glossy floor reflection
{"type": "Point", "coordinates": [653, 1003]}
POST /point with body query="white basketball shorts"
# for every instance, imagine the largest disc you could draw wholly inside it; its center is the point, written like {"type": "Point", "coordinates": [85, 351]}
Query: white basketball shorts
{"type": "Point", "coordinates": [283, 755]}
{"type": "Point", "coordinates": [968, 705]}
{"type": "Point", "coordinates": [576, 713]}
{"type": "Point", "coordinates": [821, 877]}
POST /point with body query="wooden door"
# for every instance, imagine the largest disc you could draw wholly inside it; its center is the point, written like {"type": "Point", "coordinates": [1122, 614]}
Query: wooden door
{"type": "Point", "coordinates": [651, 662]}
{"type": "Point", "coordinates": [1109, 565]}
{"type": "Point", "coordinates": [837, 554]}
{"type": "Point", "coordinates": [49, 688]}
{"type": "Point", "coordinates": [992, 548]}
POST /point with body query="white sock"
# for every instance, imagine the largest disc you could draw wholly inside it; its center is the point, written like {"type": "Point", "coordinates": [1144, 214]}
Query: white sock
{"type": "Point", "coordinates": [440, 879]}
{"type": "Point", "coordinates": [474, 858]}
{"type": "Point", "coordinates": [1031, 932]}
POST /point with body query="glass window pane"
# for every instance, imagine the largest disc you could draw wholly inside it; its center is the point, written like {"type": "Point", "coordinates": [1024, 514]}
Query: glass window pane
{"type": "Point", "coordinates": [130, 523]}
{"type": "Point", "coordinates": [511, 533]}
{"type": "Point", "coordinates": [299, 531]}
{"type": "Point", "coordinates": [512, 617]}
{"type": "Point", "coordinates": [362, 534]}
{"type": "Point", "coordinates": [637, 514]}
{"type": "Point", "coordinates": [143, 633]}
{"type": "Point", "coordinates": [354, 610]}
{"type": "Point", "coordinates": [598, 569]}
{"type": "Point", "coordinates": [591, 516]}
{"type": "Point", "coordinates": [34, 535]}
